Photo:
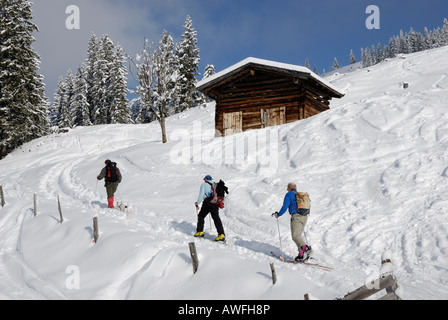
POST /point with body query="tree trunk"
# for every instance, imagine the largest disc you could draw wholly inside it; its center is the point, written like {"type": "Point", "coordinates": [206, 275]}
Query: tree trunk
{"type": "Point", "coordinates": [163, 126]}
{"type": "Point", "coordinates": [3, 152]}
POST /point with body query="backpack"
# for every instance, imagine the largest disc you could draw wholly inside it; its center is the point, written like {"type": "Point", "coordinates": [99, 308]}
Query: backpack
{"type": "Point", "coordinates": [219, 191]}
{"type": "Point", "coordinates": [112, 172]}
{"type": "Point", "coordinates": [303, 203]}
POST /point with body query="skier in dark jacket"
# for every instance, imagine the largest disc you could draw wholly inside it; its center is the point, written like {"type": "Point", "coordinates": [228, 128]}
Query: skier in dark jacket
{"type": "Point", "coordinates": [112, 177]}
{"type": "Point", "coordinates": [208, 208]}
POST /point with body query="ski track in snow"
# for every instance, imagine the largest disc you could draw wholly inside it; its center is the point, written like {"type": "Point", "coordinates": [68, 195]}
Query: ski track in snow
{"type": "Point", "coordinates": [376, 167]}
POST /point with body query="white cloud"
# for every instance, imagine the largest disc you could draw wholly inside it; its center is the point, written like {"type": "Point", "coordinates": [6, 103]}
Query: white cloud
{"type": "Point", "coordinates": [62, 49]}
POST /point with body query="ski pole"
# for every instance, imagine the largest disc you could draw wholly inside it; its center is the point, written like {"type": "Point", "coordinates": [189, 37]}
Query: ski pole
{"type": "Point", "coordinates": [304, 235]}
{"type": "Point", "coordinates": [279, 234]}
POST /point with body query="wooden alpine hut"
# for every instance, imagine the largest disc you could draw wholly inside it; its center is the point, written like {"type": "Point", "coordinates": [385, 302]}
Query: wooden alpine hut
{"type": "Point", "coordinates": [256, 93]}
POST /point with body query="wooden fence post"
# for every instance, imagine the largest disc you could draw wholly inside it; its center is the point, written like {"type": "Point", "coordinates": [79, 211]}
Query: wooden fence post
{"type": "Point", "coordinates": [387, 269]}
{"type": "Point", "coordinates": [35, 204]}
{"type": "Point", "coordinates": [386, 281]}
{"type": "Point", "coordinates": [194, 257]}
{"type": "Point", "coordinates": [274, 275]}
{"type": "Point", "coordinates": [367, 290]}
{"type": "Point", "coordinates": [2, 196]}
{"type": "Point", "coordinates": [60, 211]}
{"type": "Point", "coordinates": [96, 233]}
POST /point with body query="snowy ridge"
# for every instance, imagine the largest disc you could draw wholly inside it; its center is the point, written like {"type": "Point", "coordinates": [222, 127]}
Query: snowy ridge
{"type": "Point", "coordinates": [375, 165]}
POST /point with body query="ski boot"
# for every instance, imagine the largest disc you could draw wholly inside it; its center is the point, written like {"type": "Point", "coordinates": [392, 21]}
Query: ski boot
{"type": "Point", "coordinates": [304, 254]}
{"type": "Point", "coordinates": [221, 238]}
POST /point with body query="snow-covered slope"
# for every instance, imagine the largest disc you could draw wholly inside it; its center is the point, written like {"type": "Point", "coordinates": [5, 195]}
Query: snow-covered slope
{"type": "Point", "coordinates": [376, 166]}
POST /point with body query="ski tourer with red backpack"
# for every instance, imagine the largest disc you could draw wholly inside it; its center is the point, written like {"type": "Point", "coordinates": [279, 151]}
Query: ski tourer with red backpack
{"type": "Point", "coordinates": [112, 177]}
{"type": "Point", "coordinates": [211, 195]}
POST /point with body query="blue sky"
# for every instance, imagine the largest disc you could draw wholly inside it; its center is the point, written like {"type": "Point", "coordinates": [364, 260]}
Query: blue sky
{"type": "Point", "coordinates": [229, 30]}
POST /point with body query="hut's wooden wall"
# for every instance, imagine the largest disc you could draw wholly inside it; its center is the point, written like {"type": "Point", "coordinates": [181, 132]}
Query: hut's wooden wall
{"type": "Point", "coordinates": [255, 91]}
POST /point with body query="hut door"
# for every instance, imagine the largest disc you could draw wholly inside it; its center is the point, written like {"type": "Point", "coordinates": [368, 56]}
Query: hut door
{"type": "Point", "coordinates": [273, 117]}
{"type": "Point", "coordinates": [233, 123]}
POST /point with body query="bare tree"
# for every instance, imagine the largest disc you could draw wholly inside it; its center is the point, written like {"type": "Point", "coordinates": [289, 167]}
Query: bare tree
{"type": "Point", "coordinates": [156, 78]}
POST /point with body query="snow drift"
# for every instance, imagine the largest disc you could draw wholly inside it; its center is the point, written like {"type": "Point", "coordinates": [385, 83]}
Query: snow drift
{"type": "Point", "coordinates": [375, 165]}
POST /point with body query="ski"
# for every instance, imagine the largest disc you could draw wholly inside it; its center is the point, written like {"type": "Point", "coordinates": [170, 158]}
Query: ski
{"type": "Point", "coordinates": [219, 242]}
{"type": "Point", "coordinates": [306, 263]}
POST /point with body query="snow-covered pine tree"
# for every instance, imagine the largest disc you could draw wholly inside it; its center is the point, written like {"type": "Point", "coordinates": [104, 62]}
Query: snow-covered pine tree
{"type": "Point", "coordinates": [352, 57]}
{"type": "Point", "coordinates": [140, 114]}
{"type": "Point", "coordinates": [79, 112]}
{"type": "Point", "coordinates": [307, 64]}
{"type": "Point", "coordinates": [24, 109]}
{"type": "Point", "coordinates": [407, 43]}
{"type": "Point", "coordinates": [106, 77]}
{"type": "Point", "coordinates": [209, 71]}
{"type": "Point", "coordinates": [373, 53]}
{"type": "Point", "coordinates": [436, 38]}
{"type": "Point", "coordinates": [98, 86]}
{"type": "Point", "coordinates": [419, 42]}
{"type": "Point", "coordinates": [335, 64]}
{"type": "Point", "coordinates": [379, 53]}
{"type": "Point", "coordinates": [392, 48]}
{"type": "Point", "coordinates": [56, 108]}
{"type": "Point", "coordinates": [402, 44]}
{"type": "Point", "coordinates": [426, 39]}
{"type": "Point", "coordinates": [411, 41]}
{"type": "Point", "coordinates": [102, 81]}
{"type": "Point", "coordinates": [386, 52]}
{"type": "Point", "coordinates": [414, 41]}
{"type": "Point", "coordinates": [144, 113]}
{"type": "Point", "coordinates": [367, 57]}
{"type": "Point", "coordinates": [363, 58]}
{"type": "Point", "coordinates": [119, 110]}
{"type": "Point", "coordinates": [92, 53]}
{"type": "Point", "coordinates": [445, 30]}
{"type": "Point", "coordinates": [187, 51]}
{"type": "Point", "coordinates": [67, 100]}
{"type": "Point", "coordinates": [370, 54]}
{"type": "Point", "coordinates": [145, 78]}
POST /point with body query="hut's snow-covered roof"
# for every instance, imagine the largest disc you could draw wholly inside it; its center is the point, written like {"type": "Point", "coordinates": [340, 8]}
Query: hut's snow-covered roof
{"type": "Point", "coordinates": [218, 77]}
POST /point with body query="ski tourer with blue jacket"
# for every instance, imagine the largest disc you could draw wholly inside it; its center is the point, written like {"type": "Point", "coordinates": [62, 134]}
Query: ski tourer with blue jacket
{"type": "Point", "coordinates": [299, 218]}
